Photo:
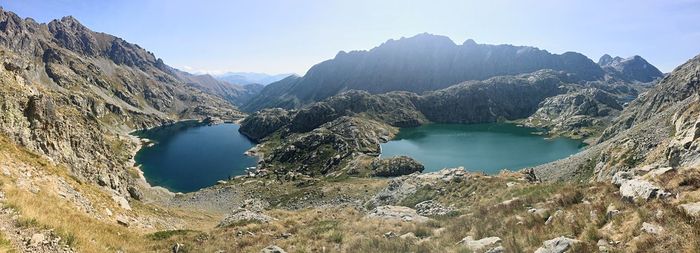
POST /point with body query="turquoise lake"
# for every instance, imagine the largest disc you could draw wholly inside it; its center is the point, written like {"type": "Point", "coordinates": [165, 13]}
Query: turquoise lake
{"type": "Point", "coordinates": [189, 156]}
{"type": "Point", "coordinates": [479, 147]}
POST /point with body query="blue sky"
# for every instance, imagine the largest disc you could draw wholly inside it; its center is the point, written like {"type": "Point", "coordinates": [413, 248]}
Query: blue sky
{"type": "Point", "coordinates": [291, 36]}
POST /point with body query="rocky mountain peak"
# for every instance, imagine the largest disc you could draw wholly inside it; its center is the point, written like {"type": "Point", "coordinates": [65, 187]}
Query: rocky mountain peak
{"type": "Point", "coordinates": [633, 68]}
{"type": "Point", "coordinates": [71, 34]}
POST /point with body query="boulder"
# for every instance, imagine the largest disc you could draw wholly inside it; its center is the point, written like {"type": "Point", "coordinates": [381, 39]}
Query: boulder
{"type": "Point", "coordinates": [135, 193]}
{"type": "Point", "coordinates": [122, 202]}
{"type": "Point", "coordinates": [273, 249]}
{"type": "Point", "coordinates": [396, 166]}
{"type": "Point", "coordinates": [397, 213]}
{"type": "Point", "coordinates": [557, 245]}
{"type": "Point", "coordinates": [692, 208]}
{"type": "Point", "coordinates": [637, 189]}
{"type": "Point", "coordinates": [481, 245]}
{"type": "Point", "coordinates": [123, 220]}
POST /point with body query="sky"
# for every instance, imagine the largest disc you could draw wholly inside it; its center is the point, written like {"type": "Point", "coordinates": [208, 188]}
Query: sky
{"type": "Point", "coordinates": [216, 36]}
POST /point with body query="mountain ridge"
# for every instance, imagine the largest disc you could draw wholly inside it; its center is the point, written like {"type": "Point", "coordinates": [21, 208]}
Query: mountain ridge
{"type": "Point", "coordinates": [420, 63]}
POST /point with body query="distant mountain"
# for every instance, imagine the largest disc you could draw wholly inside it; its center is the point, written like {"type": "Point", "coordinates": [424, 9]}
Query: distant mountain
{"type": "Point", "coordinates": [421, 63]}
{"type": "Point", "coordinates": [634, 68]}
{"type": "Point", "coordinates": [250, 78]}
{"type": "Point", "coordinates": [236, 94]}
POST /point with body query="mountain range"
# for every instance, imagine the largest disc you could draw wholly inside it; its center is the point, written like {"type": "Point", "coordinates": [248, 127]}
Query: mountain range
{"type": "Point", "coordinates": [243, 78]}
{"type": "Point", "coordinates": [429, 62]}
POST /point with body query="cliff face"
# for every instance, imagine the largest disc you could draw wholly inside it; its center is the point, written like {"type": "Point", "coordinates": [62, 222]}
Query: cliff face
{"type": "Point", "coordinates": [73, 94]}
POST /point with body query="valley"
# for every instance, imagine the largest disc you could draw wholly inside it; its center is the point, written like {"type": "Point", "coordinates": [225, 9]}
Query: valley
{"type": "Point", "coordinates": [417, 145]}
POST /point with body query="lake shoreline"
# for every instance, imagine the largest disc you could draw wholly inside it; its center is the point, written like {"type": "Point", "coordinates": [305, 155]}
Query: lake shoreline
{"type": "Point", "coordinates": [487, 147]}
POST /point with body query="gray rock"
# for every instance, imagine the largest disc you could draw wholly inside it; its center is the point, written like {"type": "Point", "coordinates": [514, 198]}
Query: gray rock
{"type": "Point", "coordinates": [621, 177]}
{"type": "Point", "coordinates": [122, 202]}
{"type": "Point", "coordinates": [637, 189]}
{"type": "Point", "coordinates": [135, 193]}
{"type": "Point", "coordinates": [481, 245]}
{"type": "Point", "coordinates": [499, 249]}
{"type": "Point", "coordinates": [557, 245]}
{"type": "Point", "coordinates": [123, 220]}
{"type": "Point", "coordinates": [272, 249]}
{"type": "Point", "coordinates": [692, 208]}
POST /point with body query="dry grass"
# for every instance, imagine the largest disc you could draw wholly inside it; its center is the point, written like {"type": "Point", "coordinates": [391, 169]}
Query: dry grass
{"type": "Point", "coordinates": [478, 199]}
{"type": "Point", "coordinates": [46, 210]}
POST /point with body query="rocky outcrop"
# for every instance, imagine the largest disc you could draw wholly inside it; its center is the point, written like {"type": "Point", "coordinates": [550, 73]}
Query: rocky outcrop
{"type": "Point", "coordinates": [659, 127]}
{"type": "Point", "coordinates": [265, 122]}
{"type": "Point", "coordinates": [326, 148]}
{"type": "Point", "coordinates": [487, 244]}
{"type": "Point", "coordinates": [421, 63]}
{"type": "Point", "coordinates": [557, 245]}
{"type": "Point", "coordinates": [575, 111]}
{"type": "Point", "coordinates": [505, 97]}
{"type": "Point", "coordinates": [637, 189]}
{"type": "Point", "coordinates": [395, 166]}
{"type": "Point", "coordinates": [396, 213]}
{"type": "Point", "coordinates": [691, 208]}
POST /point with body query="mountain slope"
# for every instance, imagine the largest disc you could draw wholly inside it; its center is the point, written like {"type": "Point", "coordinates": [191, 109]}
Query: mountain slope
{"type": "Point", "coordinates": [73, 95]}
{"type": "Point", "coordinates": [421, 63]}
{"type": "Point", "coordinates": [658, 129]}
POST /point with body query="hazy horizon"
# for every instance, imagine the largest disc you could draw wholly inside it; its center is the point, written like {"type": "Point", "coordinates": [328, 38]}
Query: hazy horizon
{"type": "Point", "coordinates": [290, 37]}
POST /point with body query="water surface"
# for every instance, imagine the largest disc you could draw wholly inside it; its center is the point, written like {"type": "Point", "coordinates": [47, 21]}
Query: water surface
{"type": "Point", "coordinates": [189, 156]}
{"type": "Point", "coordinates": [478, 147]}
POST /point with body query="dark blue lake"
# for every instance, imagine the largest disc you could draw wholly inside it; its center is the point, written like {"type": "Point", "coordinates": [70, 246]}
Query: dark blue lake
{"type": "Point", "coordinates": [189, 156]}
{"type": "Point", "coordinates": [479, 147]}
